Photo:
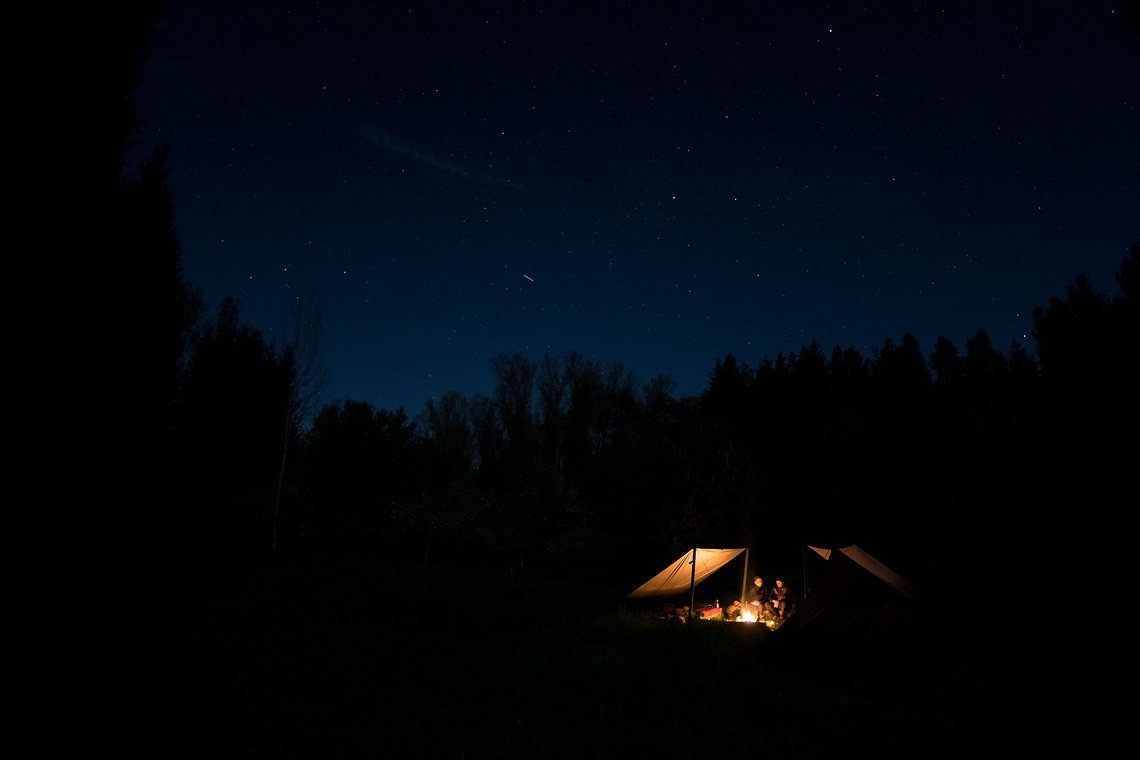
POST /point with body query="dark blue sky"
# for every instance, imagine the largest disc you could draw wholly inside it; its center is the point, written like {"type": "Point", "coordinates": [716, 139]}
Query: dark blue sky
{"type": "Point", "coordinates": [656, 184]}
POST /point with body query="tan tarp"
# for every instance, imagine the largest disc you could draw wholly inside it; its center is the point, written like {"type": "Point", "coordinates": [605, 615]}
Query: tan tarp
{"type": "Point", "coordinates": [873, 566]}
{"type": "Point", "coordinates": [675, 578]}
{"type": "Point", "coordinates": [858, 601]}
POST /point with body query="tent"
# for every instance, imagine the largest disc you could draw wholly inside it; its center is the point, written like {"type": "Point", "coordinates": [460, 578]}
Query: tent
{"type": "Point", "coordinates": [688, 570]}
{"type": "Point", "coordinates": [858, 600]}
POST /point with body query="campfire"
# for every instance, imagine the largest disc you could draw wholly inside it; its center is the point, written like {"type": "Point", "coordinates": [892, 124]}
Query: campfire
{"type": "Point", "coordinates": [749, 616]}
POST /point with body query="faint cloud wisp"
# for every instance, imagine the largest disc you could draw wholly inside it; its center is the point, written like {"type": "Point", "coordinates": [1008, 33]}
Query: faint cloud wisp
{"type": "Point", "coordinates": [394, 144]}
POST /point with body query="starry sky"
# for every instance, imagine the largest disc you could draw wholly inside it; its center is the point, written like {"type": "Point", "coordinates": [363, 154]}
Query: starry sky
{"type": "Point", "coordinates": [652, 183]}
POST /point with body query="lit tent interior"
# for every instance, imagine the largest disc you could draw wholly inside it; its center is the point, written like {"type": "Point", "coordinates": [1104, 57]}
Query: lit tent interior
{"type": "Point", "coordinates": [687, 572]}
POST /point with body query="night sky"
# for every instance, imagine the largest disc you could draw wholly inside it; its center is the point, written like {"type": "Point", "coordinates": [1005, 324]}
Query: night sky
{"type": "Point", "coordinates": [655, 184]}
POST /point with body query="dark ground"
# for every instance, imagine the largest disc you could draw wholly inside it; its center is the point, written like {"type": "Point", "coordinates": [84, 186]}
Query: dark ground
{"type": "Point", "coordinates": [320, 655]}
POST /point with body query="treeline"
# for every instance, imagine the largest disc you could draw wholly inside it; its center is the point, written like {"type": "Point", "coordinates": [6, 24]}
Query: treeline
{"type": "Point", "coordinates": [938, 458]}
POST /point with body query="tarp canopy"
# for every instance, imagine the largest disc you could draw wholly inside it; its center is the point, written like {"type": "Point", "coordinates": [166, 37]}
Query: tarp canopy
{"type": "Point", "coordinates": [677, 576]}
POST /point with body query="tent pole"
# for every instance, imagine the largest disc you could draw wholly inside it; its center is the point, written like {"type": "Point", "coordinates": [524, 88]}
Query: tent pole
{"type": "Point", "coordinates": [693, 583]}
{"type": "Point", "coordinates": [744, 580]}
{"type": "Point", "coordinates": [803, 558]}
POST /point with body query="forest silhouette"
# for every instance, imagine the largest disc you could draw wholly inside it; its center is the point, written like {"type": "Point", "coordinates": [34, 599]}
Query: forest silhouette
{"type": "Point", "coordinates": [963, 465]}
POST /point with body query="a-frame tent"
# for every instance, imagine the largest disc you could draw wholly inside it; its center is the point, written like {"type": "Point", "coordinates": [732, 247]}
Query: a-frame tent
{"type": "Point", "coordinates": [686, 572]}
{"type": "Point", "coordinates": [859, 600]}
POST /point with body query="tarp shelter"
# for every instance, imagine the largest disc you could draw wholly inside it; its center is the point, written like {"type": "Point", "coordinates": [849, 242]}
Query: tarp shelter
{"type": "Point", "coordinates": [859, 599]}
{"type": "Point", "coordinates": [684, 575]}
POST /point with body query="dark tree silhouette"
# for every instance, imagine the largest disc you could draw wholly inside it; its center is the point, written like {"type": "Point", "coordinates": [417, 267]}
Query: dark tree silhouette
{"type": "Point", "coordinates": [448, 425]}
{"type": "Point", "coordinates": [359, 465]}
{"type": "Point", "coordinates": [1072, 336]}
{"type": "Point", "coordinates": [514, 393]}
{"type": "Point", "coordinates": [1086, 448]}
{"type": "Point", "coordinates": [552, 402]}
{"type": "Point", "coordinates": [658, 393]}
{"type": "Point", "coordinates": [303, 353]}
{"type": "Point", "coordinates": [946, 364]}
{"type": "Point", "coordinates": [234, 398]}
{"type": "Point", "coordinates": [728, 387]}
{"type": "Point", "coordinates": [135, 330]}
{"type": "Point", "coordinates": [490, 440]}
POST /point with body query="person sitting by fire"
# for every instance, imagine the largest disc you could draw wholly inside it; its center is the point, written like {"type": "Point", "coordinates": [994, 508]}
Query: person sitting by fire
{"type": "Point", "coordinates": [779, 600]}
{"type": "Point", "coordinates": [758, 598]}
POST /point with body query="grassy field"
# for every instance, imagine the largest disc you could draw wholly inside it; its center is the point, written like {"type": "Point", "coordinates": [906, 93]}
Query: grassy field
{"type": "Point", "coordinates": [313, 655]}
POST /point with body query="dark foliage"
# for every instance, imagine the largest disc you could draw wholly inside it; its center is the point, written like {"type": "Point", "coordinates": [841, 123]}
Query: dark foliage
{"type": "Point", "coordinates": [229, 426]}
{"type": "Point", "coordinates": [357, 464]}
